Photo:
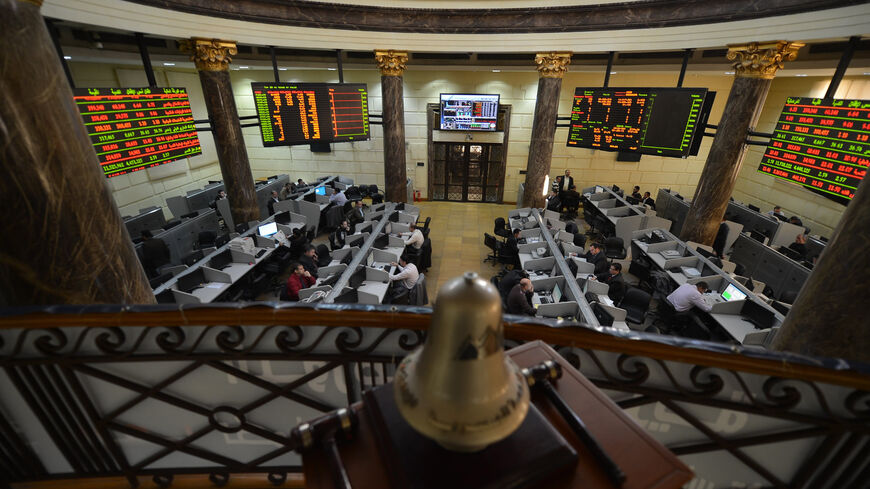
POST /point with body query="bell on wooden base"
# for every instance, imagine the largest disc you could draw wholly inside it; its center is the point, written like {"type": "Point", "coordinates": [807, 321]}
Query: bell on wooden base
{"type": "Point", "coordinates": [459, 388]}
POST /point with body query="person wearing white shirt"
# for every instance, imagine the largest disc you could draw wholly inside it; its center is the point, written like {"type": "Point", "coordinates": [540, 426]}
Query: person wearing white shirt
{"type": "Point", "coordinates": [408, 275]}
{"type": "Point", "coordinates": [416, 238]}
{"type": "Point", "coordinates": [338, 198]}
{"type": "Point", "coordinates": [687, 296]}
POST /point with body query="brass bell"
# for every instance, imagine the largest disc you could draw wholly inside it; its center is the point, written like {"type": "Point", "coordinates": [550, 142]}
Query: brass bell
{"type": "Point", "coordinates": [459, 388]}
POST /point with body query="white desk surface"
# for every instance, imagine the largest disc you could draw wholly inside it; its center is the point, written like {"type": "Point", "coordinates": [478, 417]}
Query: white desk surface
{"type": "Point", "coordinates": [735, 325]}
{"type": "Point", "coordinates": [377, 289]}
{"type": "Point", "coordinates": [524, 257]}
{"type": "Point", "coordinates": [236, 271]}
{"type": "Point", "coordinates": [391, 270]}
{"type": "Point", "coordinates": [210, 291]}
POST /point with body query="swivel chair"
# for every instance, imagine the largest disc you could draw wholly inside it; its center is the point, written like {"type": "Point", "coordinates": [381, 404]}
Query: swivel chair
{"type": "Point", "coordinates": [501, 228]}
{"type": "Point", "coordinates": [636, 303]}
{"type": "Point", "coordinates": [614, 248]}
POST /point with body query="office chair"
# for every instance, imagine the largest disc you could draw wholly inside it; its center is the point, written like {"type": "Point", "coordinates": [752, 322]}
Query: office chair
{"type": "Point", "coordinates": [192, 258]}
{"type": "Point", "coordinates": [652, 329]}
{"type": "Point", "coordinates": [614, 248]}
{"type": "Point", "coordinates": [490, 242]}
{"type": "Point", "coordinates": [419, 296]}
{"type": "Point", "coordinates": [579, 239]}
{"type": "Point", "coordinates": [501, 228]}
{"type": "Point", "coordinates": [571, 227]}
{"type": "Point", "coordinates": [323, 257]}
{"type": "Point", "coordinates": [642, 272]}
{"type": "Point", "coordinates": [364, 190]}
{"type": "Point", "coordinates": [353, 194]}
{"type": "Point", "coordinates": [425, 255]}
{"type": "Point", "coordinates": [206, 239]}
{"type": "Point", "coordinates": [668, 319]}
{"type": "Point", "coordinates": [789, 296]}
{"type": "Point", "coordinates": [571, 205]}
{"type": "Point", "coordinates": [636, 303]}
{"type": "Point", "coordinates": [425, 228]}
{"type": "Point", "coordinates": [375, 194]}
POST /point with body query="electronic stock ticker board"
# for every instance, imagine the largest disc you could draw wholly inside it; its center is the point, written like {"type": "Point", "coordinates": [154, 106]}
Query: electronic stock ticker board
{"type": "Point", "coordinates": [303, 113]}
{"type": "Point", "coordinates": [821, 144]}
{"type": "Point", "coordinates": [136, 128]}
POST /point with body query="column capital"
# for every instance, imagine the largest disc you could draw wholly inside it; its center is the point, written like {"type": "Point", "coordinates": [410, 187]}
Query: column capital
{"type": "Point", "coordinates": [209, 54]}
{"type": "Point", "coordinates": [391, 63]}
{"type": "Point", "coordinates": [761, 59]}
{"type": "Point", "coordinates": [553, 64]}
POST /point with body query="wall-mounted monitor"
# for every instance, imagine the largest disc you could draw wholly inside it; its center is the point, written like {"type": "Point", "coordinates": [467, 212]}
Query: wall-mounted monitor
{"type": "Point", "coordinates": [137, 128]}
{"type": "Point", "coordinates": [469, 112]}
{"type": "Point", "coordinates": [657, 121]}
{"type": "Point", "coordinates": [822, 144]}
{"type": "Point", "coordinates": [305, 113]}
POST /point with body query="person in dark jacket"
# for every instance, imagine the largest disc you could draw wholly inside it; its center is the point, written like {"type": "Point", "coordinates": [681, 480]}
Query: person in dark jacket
{"type": "Point", "coordinates": [309, 260]}
{"type": "Point", "coordinates": [596, 256]}
{"type": "Point", "coordinates": [510, 279]}
{"type": "Point", "coordinates": [614, 279]}
{"type": "Point", "coordinates": [719, 241]}
{"type": "Point", "coordinates": [519, 298]}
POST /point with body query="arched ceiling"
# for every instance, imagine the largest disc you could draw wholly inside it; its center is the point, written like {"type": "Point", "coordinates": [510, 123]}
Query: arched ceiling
{"type": "Point", "coordinates": [438, 26]}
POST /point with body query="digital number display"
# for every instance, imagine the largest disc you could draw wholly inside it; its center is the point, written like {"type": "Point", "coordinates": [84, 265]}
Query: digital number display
{"type": "Point", "coordinates": [658, 121]}
{"type": "Point", "coordinates": [302, 113]}
{"type": "Point", "coordinates": [821, 144]}
{"type": "Point", "coordinates": [137, 128]}
{"type": "Point", "coordinates": [469, 112]}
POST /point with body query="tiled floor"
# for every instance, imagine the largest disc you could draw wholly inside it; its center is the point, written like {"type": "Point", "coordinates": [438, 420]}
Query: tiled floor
{"type": "Point", "coordinates": [456, 231]}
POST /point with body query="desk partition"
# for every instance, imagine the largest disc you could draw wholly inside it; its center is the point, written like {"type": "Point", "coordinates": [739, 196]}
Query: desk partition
{"type": "Point", "coordinates": [148, 218]}
{"type": "Point", "coordinates": [763, 263]}
{"type": "Point", "coordinates": [622, 216]}
{"type": "Point", "coordinates": [194, 200]}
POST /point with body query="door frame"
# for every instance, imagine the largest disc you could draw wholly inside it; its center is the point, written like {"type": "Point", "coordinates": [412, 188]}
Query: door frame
{"type": "Point", "coordinates": [498, 137]}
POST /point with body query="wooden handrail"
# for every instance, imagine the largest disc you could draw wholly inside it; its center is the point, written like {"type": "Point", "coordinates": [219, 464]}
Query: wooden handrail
{"type": "Point", "coordinates": [183, 481]}
{"type": "Point", "coordinates": [695, 352]}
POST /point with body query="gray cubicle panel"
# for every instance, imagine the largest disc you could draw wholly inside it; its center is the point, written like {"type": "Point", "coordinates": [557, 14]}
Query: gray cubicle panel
{"type": "Point", "coordinates": [765, 264]}
{"type": "Point", "coordinates": [148, 218]}
{"type": "Point", "coordinates": [180, 239]}
{"type": "Point", "coordinates": [264, 191]}
{"type": "Point", "coordinates": [786, 234]}
{"type": "Point", "coordinates": [815, 247]}
{"type": "Point", "coordinates": [669, 207]}
{"type": "Point", "coordinates": [753, 220]}
{"type": "Point", "coordinates": [194, 200]}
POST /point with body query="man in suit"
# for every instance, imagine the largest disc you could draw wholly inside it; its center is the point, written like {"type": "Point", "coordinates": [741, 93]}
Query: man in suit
{"type": "Point", "coordinates": [553, 202]}
{"type": "Point", "coordinates": [636, 192]}
{"type": "Point", "coordinates": [719, 241]}
{"type": "Point", "coordinates": [357, 214]}
{"type": "Point", "coordinates": [565, 183]}
{"type": "Point", "coordinates": [648, 200]}
{"type": "Point", "coordinates": [519, 298]}
{"type": "Point", "coordinates": [274, 199]}
{"type": "Point", "coordinates": [309, 260]}
{"type": "Point", "coordinates": [512, 247]}
{"type": "Point", "coordinates": [595, 256]}
{"type": "Point", "coordinates": [614, 279]}
{"type": "Point", "coordinates": [154, 252]}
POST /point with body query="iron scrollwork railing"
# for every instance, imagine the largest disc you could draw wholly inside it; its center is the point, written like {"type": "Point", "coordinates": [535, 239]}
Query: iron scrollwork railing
{"type": "Point", "coordinates": [214, 393]}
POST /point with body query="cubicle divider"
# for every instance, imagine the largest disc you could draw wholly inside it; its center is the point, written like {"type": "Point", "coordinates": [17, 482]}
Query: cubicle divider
{"type": "Point", "coordinates": [264, 191]}
{"type": "Point", "coordinates": [672, 208]}
{"type": "Point", "coordinates": [359, 258]}
{"type": "Point", "coordinates": [181, 237]}
{"type": "Point", "coordinates": [779, 272]}
{"type": "Point", "coordinates": [194, 200]}
{"type": "Point", "coordinates": [622, 215]}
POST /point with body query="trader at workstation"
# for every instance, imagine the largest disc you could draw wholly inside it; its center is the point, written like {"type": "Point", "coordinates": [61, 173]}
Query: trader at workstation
{"type": "Point", "coordinates": [299, 279]}
{"type": "Point", "coordinates": [357, 214]}
{"type": "Point", "coordinates": [615, 281]}
{"type": "Point", "coordinates": [519, 298]}
{"type": "Point", "coordinates": [687, 296]}
{"type": "Point", "coordinates": [416, 239]}
{"type": "Point", "coordinates": [406, 278]}
{"type": "Point", "coordinates": [596, 257]}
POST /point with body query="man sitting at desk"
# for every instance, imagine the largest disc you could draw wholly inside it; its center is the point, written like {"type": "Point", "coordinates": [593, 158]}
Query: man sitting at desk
{"type": "Point", "coordinates": [596, 257]}
{"type": "Point", "coordinates": [648, 200]}
{"type": "Point", "coordinates": [299, 279]}
{"type": "Point", "coordinates": [519, 298]}
{"type": "Point", "coordinates": [512, 249]}
{"type": "Point", "coordinates": [553, 202]}
{"type": "Point", "coordinates": [286, 191]}
{"type": "Point", "coordinates": [405, 279]}
{"type": "Point", "coordinates": [339, 236]}
{"type": "Point", "coordinates": [687, 296]}
{"type": "Point", "coordinates": [614, 279]}
{"type": "Point", "coordinates": [220, 195]}
{"type": "Point", "coordinates": [800, 244]}
{"type": "Point", "coordinates": [777, 213]}
{"type": "Point", "coordinates": [636, 192]}
{"type": "Point", "coordinates": [309, 259]}
{"type": "Point", "coordinates": [416, 238]}
{"type": "Point", "coordinates": [272, 201]}
{"type": "Point", "coordinates": [356, 214]}
{"type": "Point", "coordinates": [338, 198]}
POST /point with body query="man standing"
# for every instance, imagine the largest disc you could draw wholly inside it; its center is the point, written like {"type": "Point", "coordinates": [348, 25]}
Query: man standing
{"type": "Point", "coordinates": [565, 183]}
{"type": "Point", "coordinates": [274, 199]}
{"type": "Point", "coordinates": [719, 241]}
{"type": "Point", "coordinates": [518, 301]}
{"type": "Point", "coordinates": [596, 257]}
{"type": "Point", "coordinates": [299, 279]}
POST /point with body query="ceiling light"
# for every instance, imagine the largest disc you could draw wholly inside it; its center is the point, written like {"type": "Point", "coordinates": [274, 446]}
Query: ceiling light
{"type": "Point", "coordinates": [332, 69]}
{"type": "Point", "coordinates": [283, 69]}
{"type": "Point", "coordinates": [729, 72]}
{"type": "Point", "coordinates": [496, 71]}
{"type": "Point", "coordinates": [800, 74]}
{"type": "Point", "coordinates": [70, 57]}
{"type": "Point", "coordinates": [613, 72]}
{"type": "Point", "coordinates": [243, 67]}
{"type": "Point", "coordinates": [168, 64]}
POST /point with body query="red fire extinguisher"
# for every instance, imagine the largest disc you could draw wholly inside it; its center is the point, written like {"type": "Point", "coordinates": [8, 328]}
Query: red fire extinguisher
{"type": "Point", "coordinates": [417, 196]}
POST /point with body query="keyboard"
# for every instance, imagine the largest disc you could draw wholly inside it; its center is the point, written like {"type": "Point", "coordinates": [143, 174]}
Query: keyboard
{"type": "Point", "coordinates": [260, 253]}
{"type": "Point", "coordinates": [546, 300]}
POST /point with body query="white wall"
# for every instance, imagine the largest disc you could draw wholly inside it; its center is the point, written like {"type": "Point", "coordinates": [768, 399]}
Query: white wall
{"type": "Point", "coordinates": [363, 161]}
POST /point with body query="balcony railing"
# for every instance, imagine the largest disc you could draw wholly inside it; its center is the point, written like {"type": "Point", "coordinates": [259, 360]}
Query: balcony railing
{"type": "Point", "coordinates": [196, 397]}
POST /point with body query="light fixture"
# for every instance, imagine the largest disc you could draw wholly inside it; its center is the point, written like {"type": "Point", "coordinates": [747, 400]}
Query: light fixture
{"type": "Point", "coordinates": [282, 69]}
{"type": "Point", "coordinates": [168, 64]}
{"type": "Point", "coordinates": [614, 72]}
{"type": "Point", "coordinates": [496, 71]}
{"type": "Point", "coordinates": [801, 74]}
{"type": "Point", "coordinates": [729, 72]}
{"type": "Point", "coordinates": [70, 57]}
{"type": "Point", "coordinates": [546, 185]}
{"type": "Point", "coordinates": [243, 67]}
{"type": "Point", "coordinates": [332, 69]}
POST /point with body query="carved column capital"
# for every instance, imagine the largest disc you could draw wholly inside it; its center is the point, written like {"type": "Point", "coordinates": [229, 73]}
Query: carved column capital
{"type": "Point", "coordinates": [761, 59]}
{"type": "Point", "coordinates": [209, 54]}
{"type": "Point", "coordinates": [391, 63]}
{"type": "Point", "coordinates": [553, 64]}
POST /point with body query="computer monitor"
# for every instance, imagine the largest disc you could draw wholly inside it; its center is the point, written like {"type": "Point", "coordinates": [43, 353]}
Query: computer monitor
{"type": "Point", "coordinates": [189, 282]}
{"type": "Point", "coordinates": [754, 208]}
{"type": "Point", "coordinates": [268, 229]}
{"type": "Point", "coordinates": [283, 218]}
{"type": "Point", "coordinates": [704, 253]}
{"type": "Point", "coordinates": [381, 241]}
{"type": "Point", "coordinates": [365, 229]}
{"type": "Point", "coordinates": [757, 235]}
{"type": "Point", "coordinates": [557, 293]}
{"type": "Point", "coordinates": [310, 198]}
{"type": "Point", "coordinates": [400, 206]}
{"type": "Point", "coordinates": [347, 258]}
{"type": "Point", "coordinates": [330, 280]}
{"type": "Point", "coordinates": [732, 293]}
{"type": "Point", "coordinates": [394, 217]}
{"type": "Point", "coordinates": [320, 190]}
{"type": "Point", "coordinates": [760, 316]}
{"type": "Point", "coordinates": [221, 260]}
{"type": "Point", "coordinates": [348, 297]}
{"type": "Point", "coordinates": [358, 277]}
{"type": "Point", "coordinates": [222, 240]}
{"type": "Point", "coordinates": [241, 227]}
{"type": "Point", "coordinates": [356, 240]}
{"type": "Point", "coordinates": [794, 255]}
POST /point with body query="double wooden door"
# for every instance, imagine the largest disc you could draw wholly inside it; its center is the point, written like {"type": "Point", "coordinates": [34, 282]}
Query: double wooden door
{"type": "Point", "coordinates": [467, 172]}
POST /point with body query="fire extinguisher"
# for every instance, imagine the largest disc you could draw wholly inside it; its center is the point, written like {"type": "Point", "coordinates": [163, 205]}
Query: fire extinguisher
{"type": "Point", "coordinates": [417, 196]}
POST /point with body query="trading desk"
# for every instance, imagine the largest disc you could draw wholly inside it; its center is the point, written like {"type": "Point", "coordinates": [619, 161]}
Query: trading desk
{"type": "Point", "coordinates": [727, 315]}
{"type": "Point", "coordinates": [623, 218]}
{"type": "Point", "coordinates": [779, 272]}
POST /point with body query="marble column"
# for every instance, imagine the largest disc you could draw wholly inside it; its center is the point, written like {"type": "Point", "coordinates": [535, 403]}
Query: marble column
{"type": "Point", "coordinates": [212, 59]}
{"type": "Point", "coordinates": [829, 317]}
{"type": "Point", "coordinates": [755, 65]}
{"type": "Point", "coordinates": [392, 65]}
{"type": "Point", "coordinates": [63, 239]}
{"type": "Point", "coordinates": [551, 68]}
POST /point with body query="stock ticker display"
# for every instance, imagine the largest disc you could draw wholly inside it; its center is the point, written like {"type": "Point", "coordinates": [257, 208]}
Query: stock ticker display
{"type": "Point", "coordinates": [821, 144]}
{"type": "Point", "coordinates": [658, 121]}
{"type": "Point", "coordinates": [303, 113]}
{"type": "Point", "coordinates": [137, 128]}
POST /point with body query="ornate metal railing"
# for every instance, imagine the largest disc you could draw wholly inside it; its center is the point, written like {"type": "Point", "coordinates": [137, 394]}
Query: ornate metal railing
{"type": "Point", "coordinates": [206, 395]}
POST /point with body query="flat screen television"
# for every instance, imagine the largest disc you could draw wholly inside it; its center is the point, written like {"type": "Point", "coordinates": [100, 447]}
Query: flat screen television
{"type": "Point", "coordinates": [821, 144]}
{"type": "Point", "coordinates": [469, 112]}
{"type": "Point", "coordinates": [657, 121]}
